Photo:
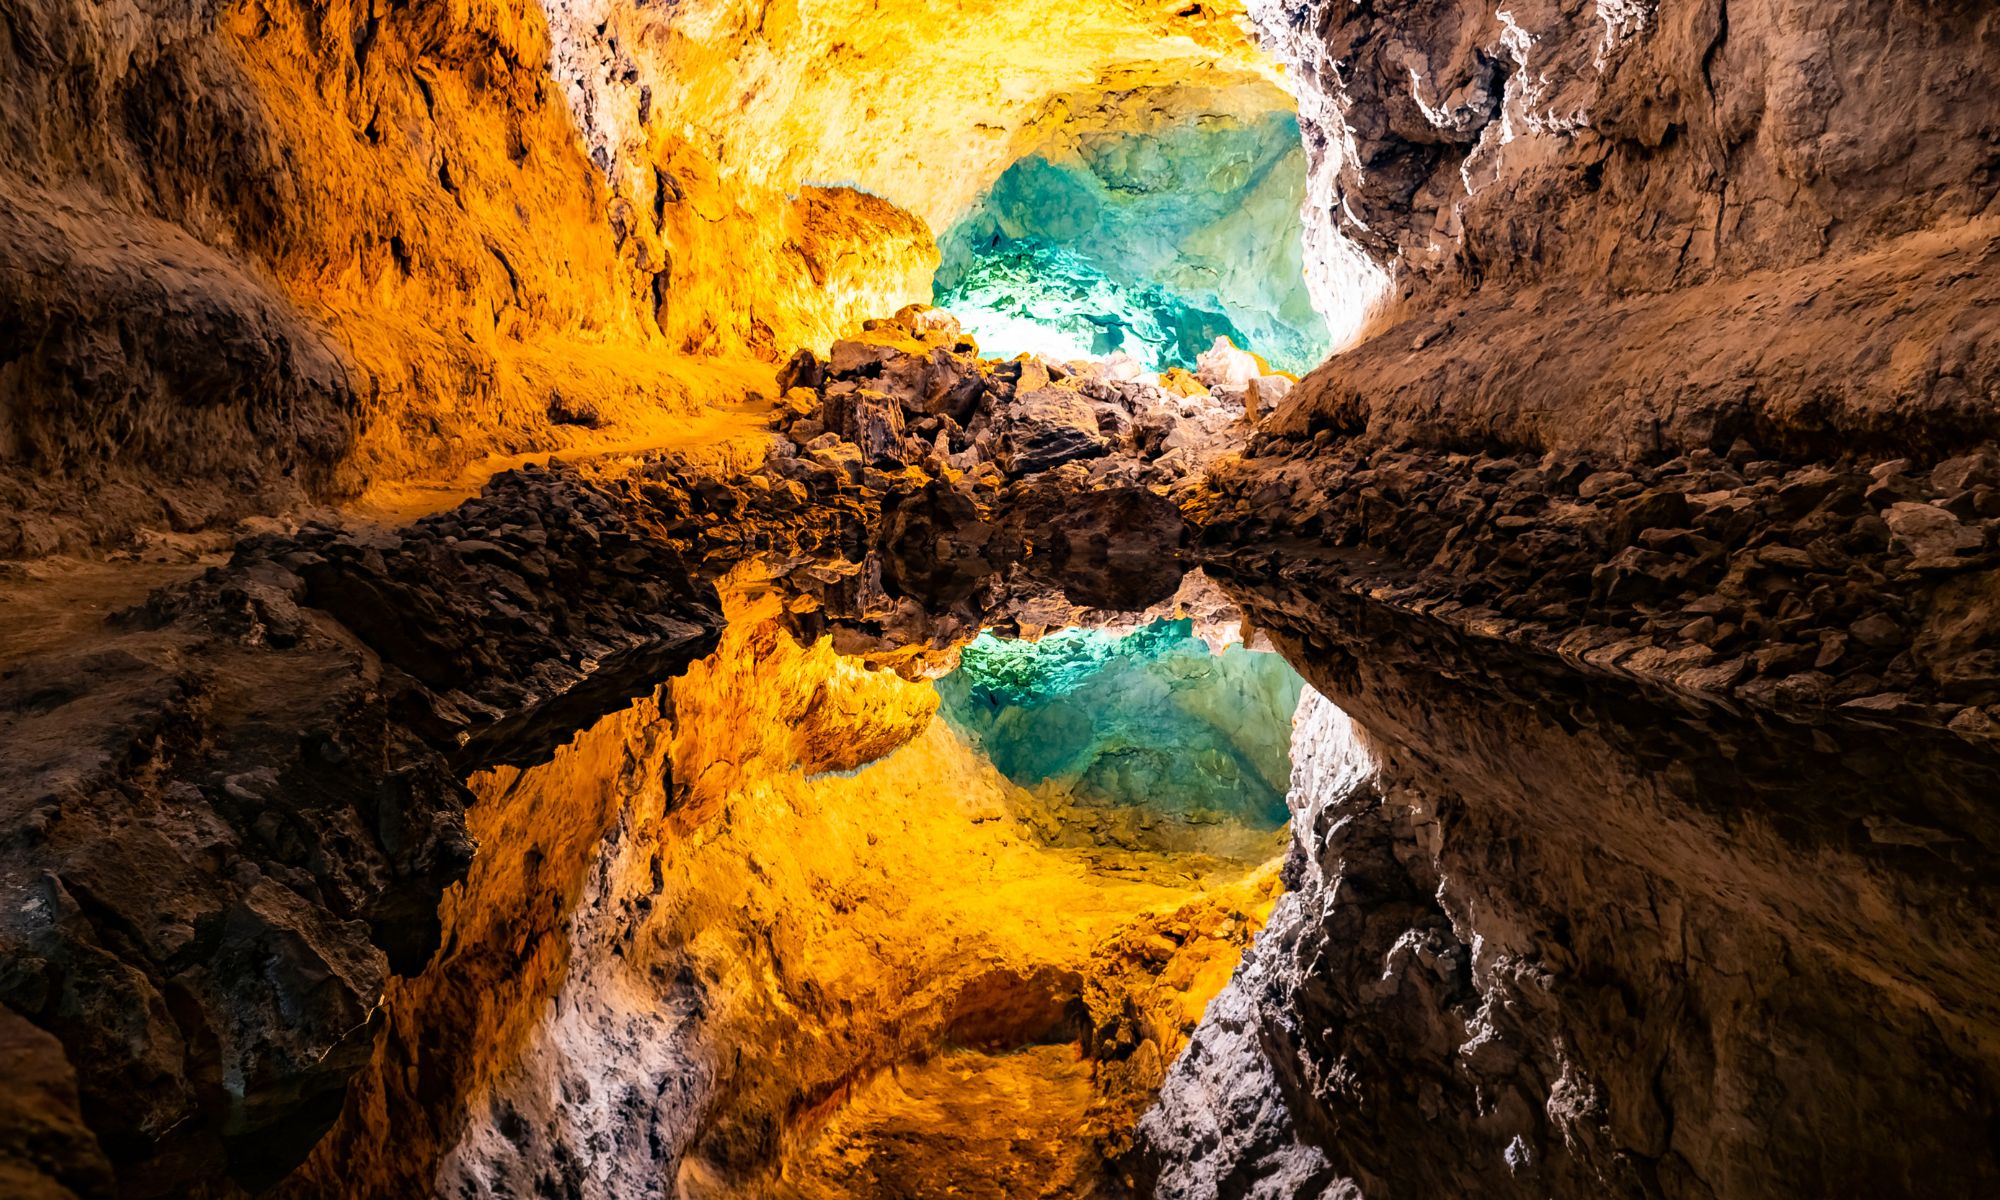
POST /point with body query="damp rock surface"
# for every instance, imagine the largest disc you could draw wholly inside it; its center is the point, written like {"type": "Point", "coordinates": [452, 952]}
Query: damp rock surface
{"type": "Point", "coordinates": [1643, 534]}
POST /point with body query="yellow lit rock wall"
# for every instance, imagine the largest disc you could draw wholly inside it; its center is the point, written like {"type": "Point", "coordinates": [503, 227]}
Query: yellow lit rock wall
{"type": "Point", "coordinates": [692, 941]}
{"type": "Point", "coordinates": [922, 103]}
{"type": "Point", "coordinates": [857, 889]}
{"type": "Point", "coordinates": [254, 252]}
{"type": "Point", "coordinates": [455, 1030]}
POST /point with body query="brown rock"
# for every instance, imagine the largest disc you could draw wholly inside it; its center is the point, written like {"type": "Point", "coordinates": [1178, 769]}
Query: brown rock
{"type": "Point", "coordinates": [1931, 535]}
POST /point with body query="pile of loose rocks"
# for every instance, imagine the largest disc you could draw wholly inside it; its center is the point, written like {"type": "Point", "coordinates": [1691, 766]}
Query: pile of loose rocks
{"type": "Point", "coordinates": [948, 488]}
{"type": "Point", "coordinates": [911, 391]}
{"type": "Point", "coordinates": [1870, 587]}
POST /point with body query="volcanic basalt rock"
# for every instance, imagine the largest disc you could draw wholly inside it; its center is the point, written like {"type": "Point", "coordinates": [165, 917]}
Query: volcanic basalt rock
{"type": "Point", "coordinates": [1651, 227]}
{"type": "Point", "coordinates": [1803, 587]}
{"type": "Point", "coordinates": [233, 816]}
{"type": "Point", "coordinates": [1549, 935]}
{"type": "Point", "coordinates": [1641, 547]}
{"type": "Point", "coordinates": [911, 391]}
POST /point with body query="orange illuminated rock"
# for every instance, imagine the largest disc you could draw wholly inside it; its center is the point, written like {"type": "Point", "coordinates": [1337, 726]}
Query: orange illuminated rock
{"type": "Point", "coordinates": [257, 259]}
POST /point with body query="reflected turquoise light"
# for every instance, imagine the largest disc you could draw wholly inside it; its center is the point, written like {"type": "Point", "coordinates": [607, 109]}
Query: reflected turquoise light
{"type": "Point", "coordinates": [1152, 243]}
{"type": "Point", "coordinates": [1154, 718]}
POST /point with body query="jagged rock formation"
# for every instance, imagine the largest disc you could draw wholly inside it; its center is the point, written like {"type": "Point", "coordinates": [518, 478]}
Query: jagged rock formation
{"type": "Point", "coordinates": [1647, 228]}
{"type": "Point", "coordinates": [1646, 542]}
{"type": "Point", "coordinates": [1567, 928]}
{"type": "Point", "coordinates": [1172, 222]}
{"type": "Point", "coordinates": [252, 259]}
{"type": "Point", "coordinates": [911, 392]}
{"type": "Point", "coordinates": [306, 714]}
{"type": "Point", "coordinates": [756, 942]}
{"type": "Point", "coordinates": [232, 816]}
{"type": "Point", "coordinates": [1150, 739]}
{"type": "Point", "coordinates": [1798, 587]}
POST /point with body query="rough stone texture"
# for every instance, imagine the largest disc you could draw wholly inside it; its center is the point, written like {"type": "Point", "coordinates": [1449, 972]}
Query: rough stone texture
{"type": "Point", "coordinates": [905, 396]}
{"type": "Point", "coordinates": [1589, 931]}
{"type": "Point", "coordinates": [46, 1150]}
{"type": "Point", "coordinates": [896, 97]}
{"type": "Point", "coordinates": [1648, 538]}
{"type": "Point", "coordinates": [232, 816]}
{"type": "Point", "coordinates": [1625, 226]}
{"type": "Point", "coordinates": [304, 717]}
{"type": "Point", "coordinates": [253, 256]}
{"type": "Point", "coordinates": [719, 936]}
{"type": "Point", "coordinates": [1801, 587]}
{"type": "Point", "coordinates": [1643, 537]}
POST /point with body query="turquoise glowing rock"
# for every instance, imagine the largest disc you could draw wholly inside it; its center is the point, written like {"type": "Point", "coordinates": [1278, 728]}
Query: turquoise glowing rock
{"type": "Point", "coordinates": [1154, 719]}
{"type": "Point", "coordinates": [1150, 243]}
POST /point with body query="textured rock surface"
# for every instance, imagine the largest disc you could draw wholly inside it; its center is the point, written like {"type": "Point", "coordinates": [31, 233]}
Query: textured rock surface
{"type": "Point", "coordinates": [911, 392]}
{"type": "Point", "coordinates": [1150, 735]}
{"type": "Point", "coordinates": [46, 1150]}
{"type": "Point", "coordinates": [1591, 931]}
{"type": "Point", "coordinates": [247, 255]}
{"type": "Point", "coordinates": [1623, 225]}
{"type": "Point", "coordinates": [1180, 217]}
{"type": "Point", "coordinates": [253, 256]}
{"type": "Point", "coordinates": [1801, 587]}
{"type": "Point", "coordinates": [1643, 539]}
{"type": "Point", "coordinates": [1648, 541]}
{"type": "Point", "coordinates": [717, 942]}
{"type": "Point", "coordinates": [232, 815]}
{"type": "Point", "coordinates": [921, 104]}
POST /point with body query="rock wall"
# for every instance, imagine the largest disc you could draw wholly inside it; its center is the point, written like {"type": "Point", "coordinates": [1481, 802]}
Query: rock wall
{"type": "Point", "coordinates": [254, 256]}
{"type": "Point", "coordinates": [1639, 227]}
{"type": "Point", "coordinates": [1643, 539]}
{"type": "Point", "coordinates": [708, 939]}
{"type": "Point", "coordinates": [232, 815]}
{"type": "Point", "coordinates": [898, 98]}
{"type": "Point", "coordinates": [260, 256]}
{"type": "Point", "coordinates": [1179, 209]}
{"type": "Point", "coordinates": [1596, 929]}
{"type": "Point", "coordinates": [1150, 734]}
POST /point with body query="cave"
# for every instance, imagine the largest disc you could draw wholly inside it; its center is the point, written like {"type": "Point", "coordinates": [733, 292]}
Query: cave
{"type": "Point", "coordinates": [818, 600]}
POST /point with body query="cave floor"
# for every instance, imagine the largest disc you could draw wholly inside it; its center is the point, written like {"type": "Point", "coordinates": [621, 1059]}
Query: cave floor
{"type": "Point", "coordinates": [47, 604]}
{"type": "Point", "coordinates": [728, 436]}
{"type": "Point", "coordinates": [52, 603]}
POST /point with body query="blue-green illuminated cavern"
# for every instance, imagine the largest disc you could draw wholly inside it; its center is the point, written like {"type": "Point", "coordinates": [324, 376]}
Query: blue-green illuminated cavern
{"type": "Point", "coordinates": [1153, 720]}
{"type": "Point", "coordinates": [1153, 242]}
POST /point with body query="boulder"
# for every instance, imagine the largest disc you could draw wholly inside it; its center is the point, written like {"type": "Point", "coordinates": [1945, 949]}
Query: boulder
{"type": "Point", "coordinates": [1223, 365]}
{"type": "Point", "coordinates": [1931, 535]}
{"type": "Point", "coordinates": [802, 370]}
{"type": "Point", "coordinates": [923, 320]}
{"type": "Point", "coordinates": [1120, 365]}
{"type": "Point", "coordinates": [870, 419]}
{"type": "Point", "coordinates": [1046, 427]}
{"type": "Point", "coordinates": [1264, 394]}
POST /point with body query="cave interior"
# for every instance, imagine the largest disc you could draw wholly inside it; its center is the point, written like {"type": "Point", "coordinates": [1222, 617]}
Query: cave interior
{"type": "Point", "coordinates": [833, 599]}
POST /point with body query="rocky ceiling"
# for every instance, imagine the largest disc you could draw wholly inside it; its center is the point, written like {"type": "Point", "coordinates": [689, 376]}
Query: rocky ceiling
{"type": "Point", "coordinates": [357, 243]}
